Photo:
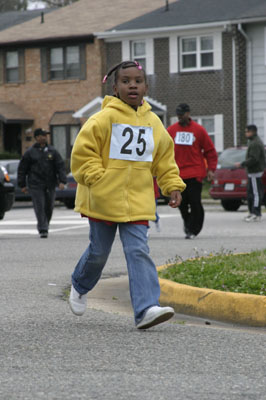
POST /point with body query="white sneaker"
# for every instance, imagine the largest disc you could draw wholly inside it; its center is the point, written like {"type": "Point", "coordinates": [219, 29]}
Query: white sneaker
{"type": "Point", "coordinates": [154, 316]}
{"type": "Point", "coordinates": [158, 226]}
{"type": "Point", "coordinates": [77, 302]}
{"type": "Point", "coordinates": [253, 218]}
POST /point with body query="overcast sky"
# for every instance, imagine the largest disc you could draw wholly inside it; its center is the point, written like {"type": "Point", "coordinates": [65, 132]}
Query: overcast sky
{"type": "Point", "coordinates": [37, 4]}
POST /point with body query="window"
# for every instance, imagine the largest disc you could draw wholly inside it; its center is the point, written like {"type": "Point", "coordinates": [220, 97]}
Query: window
{"type": "Point", "coordinates": [63, 62]}
{"type": "Point", "coordinates": [213, 125]}
{"type": "Point", "coordinates": [208, 124]}
{"type": "Point", "coordinates": [11, 66]}
{"type": "Point", "coordinates": [138, 52]}
{"type": "Point", "coordinates": [197, 53]}
{"type": "Point", "coordinates": [63, 138]}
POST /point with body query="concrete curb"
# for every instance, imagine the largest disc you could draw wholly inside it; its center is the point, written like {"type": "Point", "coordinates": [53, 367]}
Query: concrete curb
{"type": "Point", "coordinates": [239, 308]}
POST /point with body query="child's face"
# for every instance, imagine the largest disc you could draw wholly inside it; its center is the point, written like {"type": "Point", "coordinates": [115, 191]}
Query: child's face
{"type": "Point", "coordinates": [131, 86]}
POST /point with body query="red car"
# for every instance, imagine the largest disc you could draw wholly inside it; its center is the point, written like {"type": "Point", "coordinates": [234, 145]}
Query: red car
{"type": "Point", "coordinates": [230, 183]}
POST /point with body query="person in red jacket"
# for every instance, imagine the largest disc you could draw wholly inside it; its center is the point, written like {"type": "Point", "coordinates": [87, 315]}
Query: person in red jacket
{"type": "Point", "coordinates": [193, 149]}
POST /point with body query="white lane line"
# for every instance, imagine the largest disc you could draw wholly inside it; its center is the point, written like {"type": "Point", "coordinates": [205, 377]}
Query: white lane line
{"type": "Point", "coordinates": [53, 222]}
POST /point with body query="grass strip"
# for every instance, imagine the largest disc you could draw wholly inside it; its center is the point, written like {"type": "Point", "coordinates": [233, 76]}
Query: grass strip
{"type": "Point", "coordinates": [238, 273]}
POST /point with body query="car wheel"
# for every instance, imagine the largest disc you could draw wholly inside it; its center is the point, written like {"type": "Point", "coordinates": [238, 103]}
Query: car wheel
{"type": "Point", "coordinates": [2, 215]}
{"type": "Point", "coordinates": [231, 205]}
{"type": "Point", "coordinates": [69, 203]}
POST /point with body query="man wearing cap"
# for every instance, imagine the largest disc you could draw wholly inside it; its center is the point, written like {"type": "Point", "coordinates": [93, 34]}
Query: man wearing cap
{"type": "Point", "coordinates": [196, 157]}
{"type": "Point", "coordinates": [40, 170]}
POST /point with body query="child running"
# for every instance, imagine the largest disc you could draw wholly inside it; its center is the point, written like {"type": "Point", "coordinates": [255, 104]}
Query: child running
{"type": "Point", "coordinates": [115, 156]}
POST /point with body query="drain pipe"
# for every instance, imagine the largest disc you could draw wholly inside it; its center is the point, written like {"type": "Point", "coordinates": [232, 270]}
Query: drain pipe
{"type": "Point", "coordinates": [234, 89]}
{"type": "Point", "coordinates": [249, 73]}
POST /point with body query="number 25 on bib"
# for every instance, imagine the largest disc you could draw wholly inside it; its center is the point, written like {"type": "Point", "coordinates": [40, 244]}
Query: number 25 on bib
{"type": "Point", "coordinates": [134, 143]}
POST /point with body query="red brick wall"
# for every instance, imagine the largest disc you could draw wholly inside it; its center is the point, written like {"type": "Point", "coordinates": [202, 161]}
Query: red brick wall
{"type": "Point", "coordinates": [42, 99]}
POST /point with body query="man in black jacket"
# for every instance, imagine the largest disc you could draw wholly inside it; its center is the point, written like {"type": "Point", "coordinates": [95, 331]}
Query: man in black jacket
{"type": "Point", "coordinates": [255, 164]}
{"type": "Point", "coordinates": [39, 171]}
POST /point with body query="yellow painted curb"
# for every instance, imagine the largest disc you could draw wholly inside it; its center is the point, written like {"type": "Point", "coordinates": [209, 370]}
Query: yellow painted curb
{"type": "Point", "coordinates": [246, 309]}
{"type": "Point", "coordinates": [239, 308]}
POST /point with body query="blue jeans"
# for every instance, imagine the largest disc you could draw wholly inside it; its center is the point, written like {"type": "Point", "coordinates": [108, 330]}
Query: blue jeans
{"type": "Point", "coordinates": [143, 278]}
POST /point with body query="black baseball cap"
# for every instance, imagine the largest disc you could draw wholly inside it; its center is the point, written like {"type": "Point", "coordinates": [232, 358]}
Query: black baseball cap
{"type": "Point", "coordinates": [182, 108]}
{"type": "Point", "coordinates": [39, 132]}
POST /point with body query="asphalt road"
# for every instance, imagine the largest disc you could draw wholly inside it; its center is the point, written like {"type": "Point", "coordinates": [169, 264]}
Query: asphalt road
{"type": "Point", "coordinates": [48, 353]}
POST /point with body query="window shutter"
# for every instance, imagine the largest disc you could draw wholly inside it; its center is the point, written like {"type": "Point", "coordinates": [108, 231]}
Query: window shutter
{"type": "Point", "coordinates": [219, 132]}
{"type": "Point", "coordinates": [82, 60]}
{"type": "Point", "coordinates": [126, 50]}
{"type": "Point", "coordinates": [44, 64]}
{"type": "Point", "coordinates": [1, 67]}
{"type": "Point", "coordinates": [21, 65]}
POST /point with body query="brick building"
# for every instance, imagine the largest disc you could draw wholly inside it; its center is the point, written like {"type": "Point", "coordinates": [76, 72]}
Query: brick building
{"type": "Point", "coordinates": [51, 66]}
{"type": "Point", "coordinates": [195, 52]}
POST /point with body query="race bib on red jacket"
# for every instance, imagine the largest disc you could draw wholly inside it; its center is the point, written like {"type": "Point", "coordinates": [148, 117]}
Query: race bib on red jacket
{"type": "Point", "coordinates": [185, 138]}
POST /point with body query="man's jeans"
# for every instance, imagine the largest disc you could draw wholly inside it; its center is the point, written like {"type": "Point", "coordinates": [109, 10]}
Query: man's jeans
{"type": "Point", "coordinates": [143, 279]}
{"type": "Point", "coordinates": [43, 204]}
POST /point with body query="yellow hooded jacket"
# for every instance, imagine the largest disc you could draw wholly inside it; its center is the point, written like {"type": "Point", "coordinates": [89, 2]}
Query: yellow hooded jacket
{"type": "Point", "coordinates": [116, 154]}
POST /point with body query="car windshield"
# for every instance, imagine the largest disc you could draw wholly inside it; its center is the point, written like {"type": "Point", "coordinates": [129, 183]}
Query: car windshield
{"type": "Point", "coordinates": [12, 168]}
{"type": "Point", "coordinates": [231, 156]}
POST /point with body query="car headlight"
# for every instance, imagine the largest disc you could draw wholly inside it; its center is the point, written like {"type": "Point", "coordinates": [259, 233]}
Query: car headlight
{"type": "Point", "coordinates": [4, 170]}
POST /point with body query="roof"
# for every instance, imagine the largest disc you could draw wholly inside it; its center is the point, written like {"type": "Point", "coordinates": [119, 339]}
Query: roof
{"type": "Point", "coordinates": [81, 18]}
{"type": "Point", "coordinates": [95, 105]}
{"type": "Point", "coordinates": [192, 12]}
{"type": "Point", "coordinates": [63, 118]}
{"type": "Point", "coordinates": [11, 113]}
{"type": "Point", "coordinates": [12, 18]}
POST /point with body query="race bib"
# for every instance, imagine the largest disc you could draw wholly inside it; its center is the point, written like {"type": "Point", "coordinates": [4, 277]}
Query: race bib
{"type": "Point", "coordinates": [186, 138]}
{"type": "Point", "coordinates": [134, 143]}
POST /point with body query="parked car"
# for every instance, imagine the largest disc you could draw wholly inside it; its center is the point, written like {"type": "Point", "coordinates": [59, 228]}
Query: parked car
{"type": "Point", "coordinates": [7, 190]}
{"type": "Point", "coordinates": [230, 183]}
{"type": "Point", "coordinates": [12, 168]}
{"type": "Point", "coordinates": [67, 196]}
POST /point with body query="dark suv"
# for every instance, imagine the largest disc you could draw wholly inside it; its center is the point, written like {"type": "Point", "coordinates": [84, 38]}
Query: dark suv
{"type": "Point", "coordinates": [7, 192]}
{"type": "Point", "coordinates": [230, 183]}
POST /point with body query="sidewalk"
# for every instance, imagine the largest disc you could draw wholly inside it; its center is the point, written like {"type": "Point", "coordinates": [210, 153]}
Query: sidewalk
{"type": "Point", "coordinates": [112, 295]}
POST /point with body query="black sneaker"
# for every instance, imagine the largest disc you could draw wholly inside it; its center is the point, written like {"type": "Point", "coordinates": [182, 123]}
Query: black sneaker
{"type": "Point", "coordinates": [44, 235]}
{"type": "Point", "coordinates": [190, 236]}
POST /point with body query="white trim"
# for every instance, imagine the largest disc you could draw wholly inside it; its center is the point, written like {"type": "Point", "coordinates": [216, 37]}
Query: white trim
{"type": "Point", "coordinates": [95, 105]}
{"type": "Point", "coordinates": [265, 46]}
{"type": "Point", "coordinates": [219, 132]}
{"type": "Point", "coordinates": [89, 109]}
{"type": "Point", "coordinates": [131, 32]}
{"type": "Point", "coordinates": [264, 128]}
{"type": "Point", "coordinates": [216, 51]}
{"type": "Point", "coordinates": [156, 103]}
{"type": "Point", "coordinates": [149, 58]}
{"type": "Point", "coordinates": [234, 90]}
{"type": "Point", "coordinates": [173, 54]}
{"type": "Point", "coordinates": [126, 50]}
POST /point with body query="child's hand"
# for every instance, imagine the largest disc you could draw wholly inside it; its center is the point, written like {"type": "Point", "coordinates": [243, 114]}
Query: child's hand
{"type": "Point", "coordinates": [175, 199]}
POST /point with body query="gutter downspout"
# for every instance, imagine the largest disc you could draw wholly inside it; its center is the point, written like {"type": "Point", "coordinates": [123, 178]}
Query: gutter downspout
{"type": "Point", "coordinates": [249, 74]}
{"type": "Point", "coordinates": [234, 89]}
